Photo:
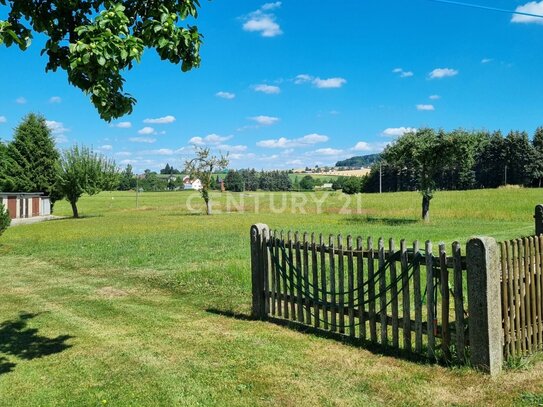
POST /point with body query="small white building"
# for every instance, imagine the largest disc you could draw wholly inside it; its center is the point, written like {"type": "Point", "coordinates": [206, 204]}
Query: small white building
{"type": "Point", "coordinates": [26, 204]}
{"type": "Point", "coordinates": [189, 185]}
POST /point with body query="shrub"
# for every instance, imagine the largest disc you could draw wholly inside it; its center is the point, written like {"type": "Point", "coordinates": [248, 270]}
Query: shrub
{"type": "Point", "coordinates": [5, 220]}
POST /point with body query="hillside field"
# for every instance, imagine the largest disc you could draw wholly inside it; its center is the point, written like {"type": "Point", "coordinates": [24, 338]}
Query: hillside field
{"type": "Point", "coordinates": [149, 306]}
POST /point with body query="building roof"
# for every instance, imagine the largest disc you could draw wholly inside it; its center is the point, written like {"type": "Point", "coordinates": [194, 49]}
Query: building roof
{"type": "Point", "coordinates": [22, 193]}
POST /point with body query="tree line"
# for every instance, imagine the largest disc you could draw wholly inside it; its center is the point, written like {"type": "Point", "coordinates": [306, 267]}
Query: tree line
{"type": "Point", "coordinates": [30, 162]}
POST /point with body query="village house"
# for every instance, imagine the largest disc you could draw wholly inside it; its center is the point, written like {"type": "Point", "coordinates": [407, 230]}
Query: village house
{"type": "Point", "coordinates": [22, 205]}
{"type": "Point", "coordinates": [189, 184]}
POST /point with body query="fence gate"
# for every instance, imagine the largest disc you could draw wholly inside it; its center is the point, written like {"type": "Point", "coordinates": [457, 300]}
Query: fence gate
{"type": "Point", "coordinates": [408, 298]}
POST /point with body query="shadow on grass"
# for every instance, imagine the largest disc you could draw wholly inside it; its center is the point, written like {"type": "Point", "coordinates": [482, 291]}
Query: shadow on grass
{"type": "Point", "coordinates": [18, 340]}
{"type": "Point", "coordinates": [354, 342]}
{"type": "Point", "coordinates": [381, 221]}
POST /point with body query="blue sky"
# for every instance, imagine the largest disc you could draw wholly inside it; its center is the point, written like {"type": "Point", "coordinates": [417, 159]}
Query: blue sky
{"type": "Point", "coordinates": [303, 82]}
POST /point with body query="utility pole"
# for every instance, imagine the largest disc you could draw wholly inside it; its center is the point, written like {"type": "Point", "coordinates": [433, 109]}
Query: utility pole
{"type": "Point", "coordinates": [380, 177]}
{"type": "Point", "coordinates": [137, 191]}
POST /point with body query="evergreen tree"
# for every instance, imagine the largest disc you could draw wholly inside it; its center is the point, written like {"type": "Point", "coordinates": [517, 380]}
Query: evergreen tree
{"type": "Point", "coordinates": [234, 181]}
{"type": "Point", "coordinates": [127, 180]}
{"type": "Point", "coordinates": [33, 160]}
{"type": "Point", "coordinates": [5, 219]}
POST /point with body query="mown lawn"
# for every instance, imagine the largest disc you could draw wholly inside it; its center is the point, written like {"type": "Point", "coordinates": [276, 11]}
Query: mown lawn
{"type": "Point", "coordinates": [129, 307]}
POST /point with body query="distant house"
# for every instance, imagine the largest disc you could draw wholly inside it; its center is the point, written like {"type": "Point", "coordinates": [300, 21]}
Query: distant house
{"type": "Point", "coordinates": [26, 204]}
{"type": "Point", "coordinates": [189, 185]}
{"type": "Point", "coordinates": [326, 186]}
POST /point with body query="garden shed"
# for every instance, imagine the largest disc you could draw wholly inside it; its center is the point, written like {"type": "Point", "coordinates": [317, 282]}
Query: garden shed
{"type": "Point", "coordinates": [26, 204]}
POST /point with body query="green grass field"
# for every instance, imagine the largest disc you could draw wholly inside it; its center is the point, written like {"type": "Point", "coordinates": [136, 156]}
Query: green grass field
{"type": "Point", "coordinates": [129, 307]}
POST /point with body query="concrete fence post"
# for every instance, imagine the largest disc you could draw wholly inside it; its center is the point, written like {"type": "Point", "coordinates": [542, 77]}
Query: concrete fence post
{"type": "Point", "coordinates": [484, 304]}
{"type": "Point", "coordinates": [258, 270]}
{"type": "Point", "coordinates": [538, 216]}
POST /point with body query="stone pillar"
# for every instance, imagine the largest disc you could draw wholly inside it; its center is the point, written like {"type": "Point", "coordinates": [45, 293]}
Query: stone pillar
{"type": "Point", "coordinates": [258, 270]}
{"type": "Point", "coordinates": [538, 220]}
{"type": "Point", "coordinates": [484, 305]}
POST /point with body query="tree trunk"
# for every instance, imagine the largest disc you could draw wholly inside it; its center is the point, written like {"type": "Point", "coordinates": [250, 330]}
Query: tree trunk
{"type": "Point", "coordinates": [426, 208]}
{"type": "Point", "coordinates": [74, 209]}
{"type": "Point", "coordinates": [208, 206]}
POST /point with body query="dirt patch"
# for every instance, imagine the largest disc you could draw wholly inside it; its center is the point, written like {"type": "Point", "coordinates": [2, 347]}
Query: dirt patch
{"type": "Point", "coordinates": [111, 292]}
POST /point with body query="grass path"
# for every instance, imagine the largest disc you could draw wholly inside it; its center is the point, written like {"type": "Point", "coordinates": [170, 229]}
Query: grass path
{"type": "Point", "coordinates": [114, 310]}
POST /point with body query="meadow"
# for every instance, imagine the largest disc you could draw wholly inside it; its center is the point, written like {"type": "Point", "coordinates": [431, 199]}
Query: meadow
{"type": "Point", "coordinates": [150, 305]}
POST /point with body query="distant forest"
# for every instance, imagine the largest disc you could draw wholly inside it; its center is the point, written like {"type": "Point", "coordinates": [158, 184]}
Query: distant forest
{"type": "Point", "coordinates": [359, 161]}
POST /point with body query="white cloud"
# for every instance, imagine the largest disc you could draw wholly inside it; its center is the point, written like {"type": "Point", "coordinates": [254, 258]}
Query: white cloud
{"type": "Point", "coordinates": [123, 154]}
{"type": "Point", "coordinates": [366, 147]}
{"type": "Point", "coordinates": [283, 142]}
{"type": "Point", "coordinates": [269, 89]}
{"type": "Point", "coordinates": [160, 151]}
{"type": "Point", "coordinates": [362, 146]}
{"type": "Point", "coordinates": [327, 152]}
{"type": "Point", "coordinates": [146, 131]}
{"type": "Point", "coordinates": [211, 139]}
{"type": "Point", "coordinates": [106, 147]}
{"type": "Point", "coordinates": [225, 95]}
{"type": "Point", "coordinates": [56, 127]}
{"type": "Point", "coordinates": [426, 107]}
{"type": "Point", "coordinates": [532, 7]}
{"type": "Point", "coordinates": [232, 149]}
{"type": "Point", "coordinates": [160, 120]}
{"type": "Point", "coordinates": [434, 97]}
{"type": "Point", "coordinates": [148, 140]}
{"type": "Point", "coordinates": [486, 60]}
{"type": "Point", "coordinates": [21, 100]}
{"type": "Point", "coordinates": [3, 119]}
{"type": "Point", "coordinates": [397, 131]}
{"type": "Point", "coordinates": [263, 21]}
{"type": "Point", "coordinates": [271, 6]}
{"type": "Point", "coordinates": [329, 83]}
{"type": "Point", "coordinates": [402, 73]}
{"type": "Point", "coordinates": [439, 73]}
{"type": "Point", "coordinates": [265, 120]}
{"type": "Point", "coordinates": [122, 125]}
{"type": "Point", "coordinates": [55, 99]}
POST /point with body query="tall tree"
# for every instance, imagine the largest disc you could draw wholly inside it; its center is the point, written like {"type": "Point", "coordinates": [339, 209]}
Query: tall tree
{"type": "Point", "coordinates": [234, 181]}
{"type": "Point", "coordinates": [202, 167]}
{"type": "Point", "coordinates": [95, 41]}
{"type": "Point", "coordinates": [85, 172]}
{"type": "Point", "coordinates": [427, 153]}
{"type": "Point", "coordinates": [33, 160]}
{"type": "Point", "coordinates": [127, 179]}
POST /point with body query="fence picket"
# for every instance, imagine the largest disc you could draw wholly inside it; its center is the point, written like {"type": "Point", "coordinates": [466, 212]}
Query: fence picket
{"type": "Point", "coordinates": [382, 292]}
{"type": "Point", "coordinates": [341, 284]}
{"type": "Point", "coordinates": [459, 303]}
{"type": "Point", "coordinates": [350, 285]}
{"type": "Point", "coordinates": [418, 297]}
{"type": "Point", "coordinates": [333, 304]}
{"type": "Point", "coordinates": [306, 279]}
{"type": "Point", "coordinates": [315, 278]}
{"type": "Point", "coordinates": [406, 296]}
{"type": "Point", "coordinates": [323, 283]}
{"type": "Point", "coordinates": [360, 282]}
{"type": "Point", "coordinates": [394, 294]}
{"type": "Point", "coordinates": [271, 244]}
{"type": "Point", "coordinates": [445, 303]}
{"type": "Point", "coordinates": [511, 299]}
{"type": "Point", "coordinates": [291, 278]}
{"type": "Point", "coordinates": [533, 304]}
{"type": "Point", "coordinates": [265, 270]}
{"type": "Point", "coordinates": [371, 291]}
{"type": "Point", "coordinates": [538, 243]}
{"type": "Point", "coordinates": [526, 293]}
{"type": "Point", "coordinates": [430, 299]}
{"type": "Point", "coordinates": [518, 320]}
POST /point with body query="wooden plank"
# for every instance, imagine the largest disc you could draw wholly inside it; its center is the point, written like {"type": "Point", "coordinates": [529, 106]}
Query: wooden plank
{"type": "Point", "coordinates": [505, 301]}
{"type": "Point", "coordinates": [533, 298]}
{"type": "Point", "coordinates": [517, 290]}
{"type": "Point", "coordinates": [324, 278]}
{"type": "Point", "coordinates": [350, 285]}
{"type": "Point", "coordinates": [394, 294]}
{"type": "Point", "coordinates": [510, 298]}
{"type": "Point", "coordinates": [382, 292]}
{"type": "Point", "coordinates": [406, 296]}
{"type": "Point", "coordinates": [445, 303]}
{"type": "Point", "coordinates": [298, 275]}
{"type": "Point", "coordinates": [459, 303]}
{"type": "Point", "coordinates": [418, 297]}
{"type": "Point", "coordinates": [278, 277]}
{"type": "Point", "coordinates": [526, 294]}
{"type": "Point", "coordinates": [341, 284]}
{"type": "Point", "coordinates": [274, 271]}
{"type": "Point", "coordinates": [539, 288]}
{"type": "Point", "coordinates": [292, 278]}
{"type": "Point", "coordinates": [315, 282]}
{"type": "Point", "coordinates": [430, 299]}
{"type": "Point", "coordinates": [360, 286]}
{"type": "Point", "coordinates": [307, 291]}
{"type": "Point", "coordinates": [333, 303]}
{"type": "Point", "coordinates": [265, 269]}
{"type": "Point", "coordinates": [283, 254]}
{"type": "Point", "coordinates": [371, 291]}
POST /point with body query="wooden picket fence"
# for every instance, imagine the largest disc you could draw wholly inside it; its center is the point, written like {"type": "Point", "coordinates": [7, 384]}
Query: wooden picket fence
{"type": "Point", "coordinates": [522, 285]}
{"type": "Point", "coordinates": [396, 296]}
